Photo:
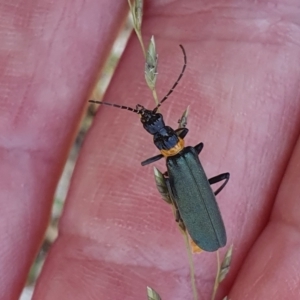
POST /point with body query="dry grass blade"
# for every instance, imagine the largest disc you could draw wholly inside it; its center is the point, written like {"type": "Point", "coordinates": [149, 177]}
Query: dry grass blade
{"type": "Point", "coordinates": [161, 185]}
{"type": "Point", "coordinates": [191, 263]}
{"type": "Point", "coordinates": [222, 270]}
{"type": "Point", "coordinates": [163, 190]}
{"type": "Point", "coordinates": [151, 65]}
{"type": "Point", "coordinates": [136, 9]}
{"type": "Point", "coordinates": [182, 122]}
{"type": "Point", "coordinates": [225, 266]}
{"type": "Point", "coordinates": [152, 294]}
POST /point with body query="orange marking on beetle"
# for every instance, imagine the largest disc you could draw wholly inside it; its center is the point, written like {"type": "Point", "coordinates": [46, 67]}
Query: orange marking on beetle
{"type": "Point", "coordinates": [175, 150]}
{"type": "Point", "coordinates": [195, 247]}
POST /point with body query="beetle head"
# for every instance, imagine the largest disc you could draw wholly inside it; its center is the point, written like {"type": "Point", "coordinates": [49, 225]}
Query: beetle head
{"type": "Point", "coordinates": [152, 121]}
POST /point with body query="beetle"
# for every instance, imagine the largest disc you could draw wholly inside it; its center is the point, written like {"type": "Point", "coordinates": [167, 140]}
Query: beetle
{"type": "Point", "coordinates": [187, 184]}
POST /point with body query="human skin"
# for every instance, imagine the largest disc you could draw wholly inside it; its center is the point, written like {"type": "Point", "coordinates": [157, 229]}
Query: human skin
{"type": "Point", "coordinates": [116, 236]}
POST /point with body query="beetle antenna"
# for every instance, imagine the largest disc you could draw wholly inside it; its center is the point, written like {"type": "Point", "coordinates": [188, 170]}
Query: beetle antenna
{"type": "Point", "coordinates": [175, 84]}
{"type": "Point", "coordinates": [115, 105]}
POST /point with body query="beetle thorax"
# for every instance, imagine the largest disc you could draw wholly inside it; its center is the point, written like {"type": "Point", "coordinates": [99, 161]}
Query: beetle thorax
{"type": "Point", "coordinates": [166, 138]}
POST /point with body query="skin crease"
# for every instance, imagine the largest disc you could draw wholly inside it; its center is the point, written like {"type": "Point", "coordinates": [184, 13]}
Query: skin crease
{"type": "Point", "coordinates": [116, 235]}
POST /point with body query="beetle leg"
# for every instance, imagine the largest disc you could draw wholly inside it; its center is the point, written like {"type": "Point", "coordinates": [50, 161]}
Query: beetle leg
{"type": "Point", "coordinates": [152, 159]}
{"type": "Point", "coordinates": [199, 147]}
{"type": "Point", "coordinates": [218, 178]}
{"type": "Point", "coordinates": [182, 132]}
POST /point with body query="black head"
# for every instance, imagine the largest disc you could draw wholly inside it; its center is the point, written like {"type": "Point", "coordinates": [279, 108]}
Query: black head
{"type": "Point", "coordinates": [151, 120]}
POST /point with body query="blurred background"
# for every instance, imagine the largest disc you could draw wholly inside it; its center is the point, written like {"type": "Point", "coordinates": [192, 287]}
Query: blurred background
{"type": "Point", "coordinates": [63, 185]}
